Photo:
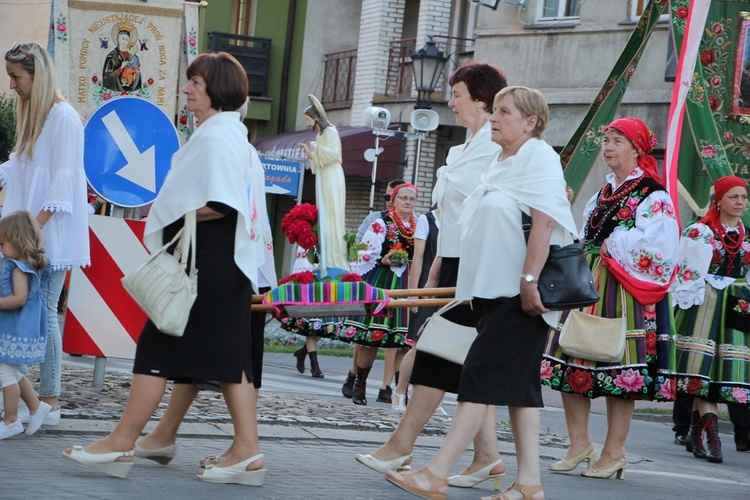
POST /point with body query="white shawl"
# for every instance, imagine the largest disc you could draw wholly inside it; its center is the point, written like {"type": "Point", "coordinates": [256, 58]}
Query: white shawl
{"type": "Point", "coordinates": [493, 249]}
{"type": "Point", "coordinates": [214, 165]}
{"type": "Point", "coordinates": [456, 180]}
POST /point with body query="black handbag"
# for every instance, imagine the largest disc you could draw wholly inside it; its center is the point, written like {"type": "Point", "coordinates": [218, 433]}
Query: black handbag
{"type": "Point", "coordinates": [565, 281]}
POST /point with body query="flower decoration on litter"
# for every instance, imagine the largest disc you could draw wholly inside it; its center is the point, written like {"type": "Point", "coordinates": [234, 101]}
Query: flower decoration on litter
{"type": "Point", "coordinates": [301, 278]}
{"type": "Point", "coordinates": [301, 226]}
{"type": "Point", "coordinates": [351, 277]}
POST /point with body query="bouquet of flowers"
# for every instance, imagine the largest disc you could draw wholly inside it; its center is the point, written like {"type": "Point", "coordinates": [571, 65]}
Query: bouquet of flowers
{"type": "Point", "coordinates": [301, 226]}
{"type": "Point", "coordinates": [399, 256]}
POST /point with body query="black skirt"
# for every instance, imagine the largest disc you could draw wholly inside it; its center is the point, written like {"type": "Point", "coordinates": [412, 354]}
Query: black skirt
{"type": "Point", "coordinates": [503, 364]}
{"type": "Point", "coordinates": [217, 344]}
{"type": "Point", "coordinates": [430, 370]}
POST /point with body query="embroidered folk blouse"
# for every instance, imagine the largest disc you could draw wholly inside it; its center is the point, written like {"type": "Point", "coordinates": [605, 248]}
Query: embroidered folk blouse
{"type": "Point", "coordinates": [703, 259]}
{"type": "Point", "coordinates": [645, 239]}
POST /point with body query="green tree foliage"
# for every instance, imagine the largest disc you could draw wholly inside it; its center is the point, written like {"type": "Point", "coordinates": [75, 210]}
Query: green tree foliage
{"type": "Point", "coordinates": [7, 127]}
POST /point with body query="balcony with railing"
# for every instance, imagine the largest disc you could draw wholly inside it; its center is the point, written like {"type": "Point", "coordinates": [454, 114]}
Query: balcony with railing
{"type": "Point", "coordinates": [252, 52]}
{"type": "Point", "coordinates": [400, 79]}
{"type": "Point", "coordinates": [338, 79]}
{"type": "Point", "coordinates": [340, 67]}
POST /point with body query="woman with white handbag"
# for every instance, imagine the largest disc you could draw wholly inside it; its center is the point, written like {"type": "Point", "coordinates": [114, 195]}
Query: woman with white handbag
{"type": "Point", "coordinates": [631, 239]}
{"type": "Point", "coordinates": [211, 176]}
{"type": "Point", "coordinates": [524, 177]}
{"type": "Point", "coordinates": [473, 88]}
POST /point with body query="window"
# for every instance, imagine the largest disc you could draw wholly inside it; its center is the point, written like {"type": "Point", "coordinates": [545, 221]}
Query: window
{"type": "Point", "coordinates": [550, 10]}
{"type": "Point", "coordinates": [242, 14]}
{"type": "Point", "coordinates": [636, 9]}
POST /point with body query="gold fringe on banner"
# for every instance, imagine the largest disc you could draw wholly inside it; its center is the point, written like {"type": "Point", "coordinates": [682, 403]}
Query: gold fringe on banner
{"type": "Point", "coordinates": [129, 8]}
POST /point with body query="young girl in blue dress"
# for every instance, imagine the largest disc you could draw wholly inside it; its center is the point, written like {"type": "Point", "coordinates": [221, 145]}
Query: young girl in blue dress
{"type": "Point", "coordinates": [23, 320]}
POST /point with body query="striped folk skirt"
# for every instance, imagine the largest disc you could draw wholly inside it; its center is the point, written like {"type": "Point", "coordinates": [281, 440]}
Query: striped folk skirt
{"type": "Point", "coordinates": [388, 330]}
{"type": "Point", "coordinates": [646, 370]}
{"type": "Point", "coordinates": [713, 358]}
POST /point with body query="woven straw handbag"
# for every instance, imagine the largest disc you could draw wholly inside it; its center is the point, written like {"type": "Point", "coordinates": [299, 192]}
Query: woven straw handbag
{"type": "Point", "coordinates": [595, 338]}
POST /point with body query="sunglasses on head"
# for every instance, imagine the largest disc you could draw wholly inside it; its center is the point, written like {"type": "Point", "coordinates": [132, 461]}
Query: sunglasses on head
{"type": "Point", "coordinates": [17, 48]}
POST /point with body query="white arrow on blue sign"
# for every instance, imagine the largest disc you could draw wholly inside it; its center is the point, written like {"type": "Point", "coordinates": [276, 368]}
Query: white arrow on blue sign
{"type": "Point", "coordinates": [128, 148]}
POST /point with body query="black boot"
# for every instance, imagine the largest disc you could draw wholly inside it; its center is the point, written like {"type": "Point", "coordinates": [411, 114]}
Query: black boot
{"type": "Point", "coordinates": [360, 386]}
{"type": "Point", "coordinates": [300, 355]}
{"type": "Point", "coordinates": [385, 395]}
{"type": "Point", "coordinates": [711, 424]}
{"type": "Point", "coordinates": [314, 366]}
{"type": "Point", "coordinates": [348, 388]}
{"type": "Point", "coordinates": [694, 441]}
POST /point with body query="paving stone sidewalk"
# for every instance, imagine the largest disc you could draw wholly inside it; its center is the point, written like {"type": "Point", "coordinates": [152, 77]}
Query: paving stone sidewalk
{"type": "Point", "coordinates": [82, 400]}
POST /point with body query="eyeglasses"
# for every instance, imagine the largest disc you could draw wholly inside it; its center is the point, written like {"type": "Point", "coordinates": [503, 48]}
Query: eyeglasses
{"type": "Point", "coordinates": [18, 48]}
{"type": "Point", "coordinates": [387, 197]}
{"type": "Point", "coordinates": [407, 198]}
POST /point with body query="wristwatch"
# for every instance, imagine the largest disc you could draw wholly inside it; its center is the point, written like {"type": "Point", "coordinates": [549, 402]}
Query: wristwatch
{"type": "Point", "coordinates": [528, 278]}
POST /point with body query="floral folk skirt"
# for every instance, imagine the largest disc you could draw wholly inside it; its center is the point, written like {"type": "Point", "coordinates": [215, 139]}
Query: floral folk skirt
{"type": "Point", "coordinates": [646, 370]}
{"type": "Point", "coordinates": [389, 330]}
{"type": "Point", "coordinates": [713, 358]}
{"type": "Point", "coordinates": [313, 327]}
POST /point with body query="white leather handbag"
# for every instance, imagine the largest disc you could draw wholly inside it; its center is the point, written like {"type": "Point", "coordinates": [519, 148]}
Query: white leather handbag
{"type": "Point", "coordinates": [161, 285]}
{"type": "Point", "coordinates": [444, 338]}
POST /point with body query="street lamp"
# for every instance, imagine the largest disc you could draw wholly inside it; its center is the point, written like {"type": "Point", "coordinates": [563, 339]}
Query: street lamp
{"type": "Point", "coordinates": [427, 66]}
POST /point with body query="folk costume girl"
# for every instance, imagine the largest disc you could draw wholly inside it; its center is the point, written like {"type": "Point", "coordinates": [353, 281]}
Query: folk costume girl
{"type": "Point", "coordinates": [631, 236]}
{"type": "Point", "coordinates": [713, 319]}
{"type": "Point", "coordinates": [383, 264]}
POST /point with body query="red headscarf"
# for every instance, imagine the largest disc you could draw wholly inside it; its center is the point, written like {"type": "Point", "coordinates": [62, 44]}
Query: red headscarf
{"type": "Point", "coordinates": [405, 185]}
{"type": "Point", "coordinates": [721, 186]}
{"type": "Point", "coordinates": [643, 140]}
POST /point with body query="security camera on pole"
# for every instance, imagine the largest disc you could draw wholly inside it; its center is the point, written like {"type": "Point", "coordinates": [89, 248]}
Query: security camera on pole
{"type": "Point", "coordinates": [422, 120]}
{"type": "Point", "coordinates": [427, 65]}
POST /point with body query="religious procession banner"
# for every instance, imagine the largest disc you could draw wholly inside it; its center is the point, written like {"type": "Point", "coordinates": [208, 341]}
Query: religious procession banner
{"type": "Point", "coordinates": [579, 155]}
{"type": "Point", "coordinates": [105, 49]}
{"type": "Point", "coordinates": [715, 138]}
{"type": "Point", "coordinates": [718, 140]}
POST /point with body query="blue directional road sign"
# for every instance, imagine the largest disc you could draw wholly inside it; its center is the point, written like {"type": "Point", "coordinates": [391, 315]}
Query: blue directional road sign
{"type": "Point", "coordinates": [282, 176]}
{"type": "Point", "coordinates": [128, 148]}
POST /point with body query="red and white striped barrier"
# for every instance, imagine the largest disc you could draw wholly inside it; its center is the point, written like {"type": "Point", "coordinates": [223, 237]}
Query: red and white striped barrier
{"type": "Point", "coordinates": [102, 319]}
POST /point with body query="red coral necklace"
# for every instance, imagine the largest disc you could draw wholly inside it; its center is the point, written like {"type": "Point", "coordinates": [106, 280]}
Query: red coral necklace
{"type": "Point", "coordinates": [732, 247]}
{"type": "Point", "coordinates": [610, 202]}
{"type": "Point", "coordinates": [408, 234]}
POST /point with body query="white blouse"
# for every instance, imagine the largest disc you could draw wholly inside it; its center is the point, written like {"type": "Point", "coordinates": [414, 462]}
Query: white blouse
{"type": "Point", "coordinates": [54, 181]}
{"type": "Point", "coordinates": [455, 181]}
{"type": "Point", "coordinates": [493, 247]}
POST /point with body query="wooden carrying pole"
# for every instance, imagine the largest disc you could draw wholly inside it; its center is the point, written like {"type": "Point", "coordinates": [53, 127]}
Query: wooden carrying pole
{"type": "Point", "coordinates": [402, 298]}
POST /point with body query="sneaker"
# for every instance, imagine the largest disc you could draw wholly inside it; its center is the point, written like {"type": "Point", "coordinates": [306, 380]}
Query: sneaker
{"type": "Point", "coordinates": [440, 412]}
{"type": "Point", "coordinates": [23, 414]}
{"type": "Point", "coordinates": [52, 418]}
{"type": "Point", "coordinates": [11, 430]}
{"type": "Point", "coordinates": [37, 419]}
